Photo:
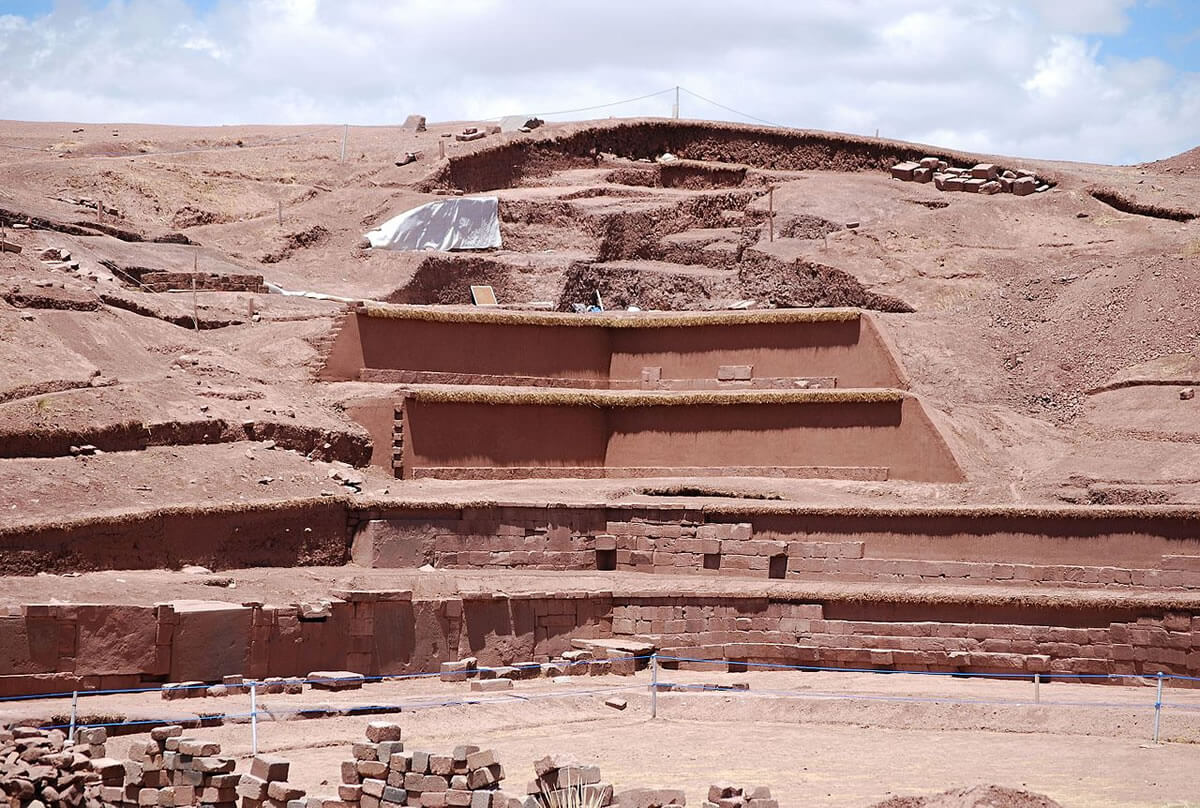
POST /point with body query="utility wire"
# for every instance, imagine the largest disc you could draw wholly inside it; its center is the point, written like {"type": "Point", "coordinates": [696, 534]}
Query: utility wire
{"type": "Point", "coordinates": [730, 109]}
{"type": "Point", "coordinates": [604, 106]}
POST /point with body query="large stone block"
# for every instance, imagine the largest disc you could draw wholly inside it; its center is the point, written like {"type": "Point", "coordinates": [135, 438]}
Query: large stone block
{"type": "Point", "coordinates": [115, 639]}
{"type": "Point", "coordinates": [211, 640]}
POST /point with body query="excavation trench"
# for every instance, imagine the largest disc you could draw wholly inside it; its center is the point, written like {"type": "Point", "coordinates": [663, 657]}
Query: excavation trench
{"type": "Point", "coordinates": [1126, 205]}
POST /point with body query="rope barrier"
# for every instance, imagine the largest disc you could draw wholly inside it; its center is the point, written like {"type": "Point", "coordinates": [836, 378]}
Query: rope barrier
{"type": "Point", "coordinates": [957, 674]}
{"type": "Point", "coordinates": [357, 708]}
{"type": "Point", "coordinates": [805, 694]}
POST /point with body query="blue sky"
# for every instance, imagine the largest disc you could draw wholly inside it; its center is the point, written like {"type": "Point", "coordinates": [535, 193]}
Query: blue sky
{"type": "Point", "coordinates": [1114, 81]}
{"type": "Point", "coordinates": [1168, 30]}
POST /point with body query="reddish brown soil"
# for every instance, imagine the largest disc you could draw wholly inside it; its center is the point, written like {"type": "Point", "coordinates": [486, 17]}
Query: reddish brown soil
{"type": "Point", "coordinates": [1187, 162]}
{"type": "Point", "coordinates": [1020, 305]}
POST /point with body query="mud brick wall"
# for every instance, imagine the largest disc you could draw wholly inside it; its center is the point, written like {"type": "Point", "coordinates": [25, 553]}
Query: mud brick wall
{"type": "Point", "coordinates": [496, 349]}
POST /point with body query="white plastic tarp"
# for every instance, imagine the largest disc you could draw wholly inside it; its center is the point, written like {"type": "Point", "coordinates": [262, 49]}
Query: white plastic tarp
{"type": "Point", "coordinates": [460, 223]}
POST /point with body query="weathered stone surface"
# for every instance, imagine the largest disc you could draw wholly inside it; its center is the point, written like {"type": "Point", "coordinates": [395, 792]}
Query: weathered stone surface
{"type": "Point", "coordinates": [115, 639]}
{"type": "Point", "coordinates": [211, 640]}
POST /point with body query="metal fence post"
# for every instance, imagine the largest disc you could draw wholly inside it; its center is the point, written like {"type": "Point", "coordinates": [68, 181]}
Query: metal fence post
{"type": "Point", "coordinates": [74, 716]}
{"type": "Point", "coordinates": [1158, 706]}
{"type": "Point", "coordinates": [253, 719]}
{"type": "Point", "coordinates": [654, 685]}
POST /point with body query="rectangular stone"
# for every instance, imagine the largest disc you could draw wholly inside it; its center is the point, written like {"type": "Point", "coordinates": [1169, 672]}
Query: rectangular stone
{"type": "Point", "coordinates": [378, 731]}
{"type": "Point", "coordinates": [372, 768]}
{"type": "Point", "coordinates": [481, 759]}
{"type": "Point", "coordinates": [269, 767]}
{"type": "Point", "coordinates": [729, 373]}
{"type": "Point", "coordinates": [1024, 186]}
{"type": "Point", "coordinates": [490, 685]}
{"type": "Point", "coordinates": [252, 787]}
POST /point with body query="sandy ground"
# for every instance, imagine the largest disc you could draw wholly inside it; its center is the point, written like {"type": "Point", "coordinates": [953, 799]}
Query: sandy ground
{"type": "Point", "coordinates": [1084, 745]}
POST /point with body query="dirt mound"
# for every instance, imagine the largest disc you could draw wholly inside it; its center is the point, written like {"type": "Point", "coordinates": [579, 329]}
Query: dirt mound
{"type": "Point", "coordinates": [804, 284]}
{"type": "Point", "coordinates": [447, 280]}
{"type": "Point", "coordinates": [191, 216]}
{"type": "Point", "coordinates": [621, 286]}
{"type": "Point", "coordinates": [974, 797]}
{"type": "Point", "coordinates": [297, 241]}
{"type": "Point", "coordinates": [513, 162]}
{"type": "Point", "coordinates": [1187, 162]}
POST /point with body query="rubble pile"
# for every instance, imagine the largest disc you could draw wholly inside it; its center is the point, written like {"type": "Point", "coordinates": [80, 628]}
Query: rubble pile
{"type": "Point", "coordinates": [580, 662]}
{"type": "Point", "coordinates": [983, 178]}
{"type": "Point", "coordinates": [563, 782]}
{"type": "Point", "coordinates": [171, 770]}
{"type": "Point", "coordinates": [383, 775]}
{"type": "Point", "coordinates": [727, 795]}
{"type": "Point", "coordinates": [40, 769]}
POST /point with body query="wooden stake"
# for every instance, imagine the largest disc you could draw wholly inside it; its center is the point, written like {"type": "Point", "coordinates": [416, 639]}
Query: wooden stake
{"type": "Point", "coordinates": [345, 131]}
{"type": "Point", "coordinates": [771, 212]}
{"type": "Point", "coordinates": [195, 306]}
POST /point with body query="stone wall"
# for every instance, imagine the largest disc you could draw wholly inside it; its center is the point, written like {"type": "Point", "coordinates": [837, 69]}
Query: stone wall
{"type": "Point", "coordinates": [1124, 554]}
{"type": "Point", "coordinates": [48, 648]}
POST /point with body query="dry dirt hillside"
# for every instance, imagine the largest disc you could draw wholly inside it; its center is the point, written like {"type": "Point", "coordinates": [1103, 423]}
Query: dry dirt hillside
{"type": "Point", "coordinates": [1050, 335]}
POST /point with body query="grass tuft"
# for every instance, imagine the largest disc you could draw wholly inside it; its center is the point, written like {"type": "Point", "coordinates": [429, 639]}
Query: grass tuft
{"type": "Point", "coordinates": [611, 319]}
{"type": "Point", "coordinates": [622, 398]}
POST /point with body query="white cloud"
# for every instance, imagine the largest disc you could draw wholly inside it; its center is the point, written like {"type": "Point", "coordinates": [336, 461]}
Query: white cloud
{"type": "Point", "coordinates": [1017, 78]}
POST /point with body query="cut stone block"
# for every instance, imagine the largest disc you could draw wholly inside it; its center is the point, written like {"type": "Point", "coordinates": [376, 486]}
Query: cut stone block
{"type": "Point", "coordinates": [489, 685]}
{"type": "Point", "coordinates": [335, 680]}
{"type": "Point", "coordinates": [379, 731]}
{"type": "Point", "coordinates": [727, 373]}
{"type": "Point", "coordinates": [269, 767]}
{"type": "Point", "coordinates": [1024, 186]}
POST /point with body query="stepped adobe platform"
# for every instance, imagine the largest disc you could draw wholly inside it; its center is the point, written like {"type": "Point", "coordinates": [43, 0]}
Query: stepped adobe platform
{"type": "Point", "coordinates": [786, 349]}
{"type": "Point", "coordinates": [844, 434]}
{"type": "Point", "coordinates": [717, 394]}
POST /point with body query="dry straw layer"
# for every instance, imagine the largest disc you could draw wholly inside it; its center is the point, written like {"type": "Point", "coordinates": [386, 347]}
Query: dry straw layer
{"type": "Point", "coordinates": [383, 508]}
{"type": "Point", "coordinates": [610, 320]}
{"type": "Point", "coordinates": [621, 398]}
